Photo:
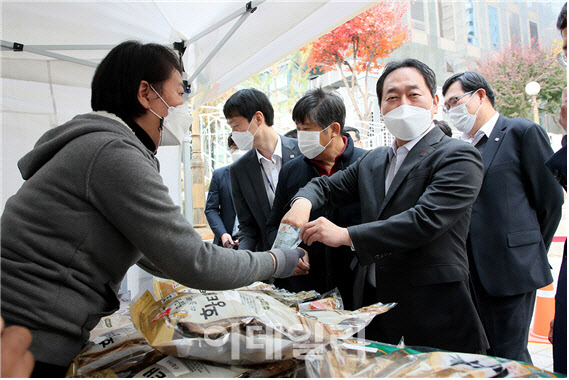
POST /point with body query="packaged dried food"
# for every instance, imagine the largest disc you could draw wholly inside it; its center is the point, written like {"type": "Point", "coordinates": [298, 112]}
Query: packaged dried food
{"type": "Point", "coordinates": [240, 326]}
{"type": "Point", "coordinates": [331, 300]}
{"type": "Point", "coordinates": [353, 358]}
{"type": "Point", "coordinates": [117, 353]}
{"type": "Point", "coordinates": [171, 367]}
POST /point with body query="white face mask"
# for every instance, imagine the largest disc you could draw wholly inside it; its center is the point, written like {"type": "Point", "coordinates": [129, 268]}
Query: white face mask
{"type": "Point", "coordinates": [237, 155]}
{"type": "Point", "coordinates": [407, 122]}
{"type": "Point", "coordinates": [175, 124]}
{"type": "Point", "coordinates": [309, 143]}
{"type": "Point", "coordinates": [244, 140]}
{"type": "Point", "coordinates": [461, 118]}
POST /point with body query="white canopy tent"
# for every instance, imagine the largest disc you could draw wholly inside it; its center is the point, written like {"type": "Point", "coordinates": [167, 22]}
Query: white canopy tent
{"type": "Point", "coordinates": [50, 51]}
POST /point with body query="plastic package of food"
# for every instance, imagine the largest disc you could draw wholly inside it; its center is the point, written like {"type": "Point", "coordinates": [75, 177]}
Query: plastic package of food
{"type": "Point", "coordinates": [331, 300]}
{"type": "Point", "coordinates": [240, 326]}
{"type": "Point", "coordinates": [120, 352]}
{"type": "Point", "coordinates": [353, 358]}
{"type": "Point", "coordinates": [171, 367]}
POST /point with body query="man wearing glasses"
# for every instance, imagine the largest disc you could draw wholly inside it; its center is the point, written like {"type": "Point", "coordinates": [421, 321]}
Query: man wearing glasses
{"type": "Point", "coordinates": [514, 217]}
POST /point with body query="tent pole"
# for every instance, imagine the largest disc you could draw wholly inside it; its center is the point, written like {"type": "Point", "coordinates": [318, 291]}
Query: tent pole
{"type": "Point", "coordinates": [231, 32]}
{"type": "Point", "coordinates": [21, 47]}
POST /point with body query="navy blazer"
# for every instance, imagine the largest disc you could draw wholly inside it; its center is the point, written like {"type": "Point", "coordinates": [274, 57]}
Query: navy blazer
{"type": "Point", "coordinates": [219, 209]}
{"type": "Point", "coordinates": [517, 211]}
{"type": "Point", "coordinates": [250, 198]}
{"type": "Point", "coordinates": [329, 267]}
{"type": "Point", "coordinates": [416, 236]}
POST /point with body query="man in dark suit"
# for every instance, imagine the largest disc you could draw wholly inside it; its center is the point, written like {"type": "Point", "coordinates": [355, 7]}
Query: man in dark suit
{"type": "Point", "coordinates": [219, 209]}
{"type": "Point", "coordinates": [558, 166]}
{"type": "Point", "coordinates": [319, 116]}
{"type": "Point", "coordinates": [415, 200]}
{"type": "Point", "coordinates": [513, 219]}
{"type": "Point", "coordinates": [254, 177]}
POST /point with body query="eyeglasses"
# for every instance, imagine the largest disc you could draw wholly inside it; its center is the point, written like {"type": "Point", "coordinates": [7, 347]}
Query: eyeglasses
{"type": "Point", "coordinates": [562, 59]}
{"type": "Point", "coordinates": [452, 102]}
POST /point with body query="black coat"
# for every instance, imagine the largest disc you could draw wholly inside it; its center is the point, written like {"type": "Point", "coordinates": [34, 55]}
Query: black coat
{"type": "Point", "coordinates": [329, 267]}
{"type": "Point", "coordinates": [416, 236]}
{"type": "Point", "coordinates": [219, 209]}
{"type": "Point", "coordinates": [250, 198]}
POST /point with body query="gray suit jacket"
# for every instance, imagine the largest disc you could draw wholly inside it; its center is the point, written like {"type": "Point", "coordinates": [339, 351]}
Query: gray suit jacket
{"type": "Point", "coordinates": [250, 198]}
{"type": "Point", "coordinates": [416, 235]}
{"type": "Point", "coordinates": [517, 212]}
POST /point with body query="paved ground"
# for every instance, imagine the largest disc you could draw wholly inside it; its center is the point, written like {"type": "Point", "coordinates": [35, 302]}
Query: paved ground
{"type": "Point", "coordinates": [541, 354]}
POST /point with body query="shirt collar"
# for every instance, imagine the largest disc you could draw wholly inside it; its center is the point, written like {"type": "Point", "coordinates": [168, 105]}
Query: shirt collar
{"type": "Point", "coordinates": [486, 129]}
{"type": "Point", "coordinates": [277, 153]}
{"type": "Point", "coordinates": [409, 145]}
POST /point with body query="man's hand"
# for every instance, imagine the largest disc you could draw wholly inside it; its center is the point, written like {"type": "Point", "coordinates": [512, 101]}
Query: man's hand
{"type": "Point", "coordinates": [550, 335]}
{"type": "Point", "coordinates": [303, 265]}
{"type": "Point", "coordinates": [326, 232]}
{"type": "Point", "coordinates": [16, 360]}
{"type": "Point", "coordinates": [563, 111]}
{"type": "Point", "coordinates": [227, 240]}
{"type": "Point", "coordinates": [299, 213]}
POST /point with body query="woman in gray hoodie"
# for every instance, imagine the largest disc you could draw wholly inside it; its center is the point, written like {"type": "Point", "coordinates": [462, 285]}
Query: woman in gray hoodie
{"type": "Point", "coordinates": [93, 204]}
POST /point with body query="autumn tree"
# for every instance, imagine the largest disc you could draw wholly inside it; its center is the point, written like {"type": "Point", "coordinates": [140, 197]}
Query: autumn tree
{"type": "Point", "coordinates": [509, 70]}
{"type": "Point", "coordinates": [356, 46]}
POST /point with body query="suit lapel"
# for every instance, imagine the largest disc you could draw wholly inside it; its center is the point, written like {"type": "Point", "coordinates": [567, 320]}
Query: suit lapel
{"type": "Point", "coordinates": [256, 180]}
{"type": "Point", "coordinates": [287, 149]}
{"type": "Point", "coordinates": [379, 173]}
{"type": "Point", "coordinates": [421, 150]}
{"type": "Point", "coordinates": [493, 143]}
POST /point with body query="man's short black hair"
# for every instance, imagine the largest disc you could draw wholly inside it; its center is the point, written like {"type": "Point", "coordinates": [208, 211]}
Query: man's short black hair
{"type": "Point", "coordinates": [117, 79]}
{"type": "Point", "coordinates": [427, 73]}
{"type": "Point", "coordinates": [470, 81]}
{"type": "Point", "coordinates": [246, 103]}
{"type": "Point", "coordinates": [355, 130]}
{"type": "Point", "coordinates": [320, 107]}
{"type": "Point", "coordinates": [562, 18]}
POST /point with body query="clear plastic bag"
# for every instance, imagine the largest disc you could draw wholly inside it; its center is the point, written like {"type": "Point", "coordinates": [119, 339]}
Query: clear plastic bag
{"type": "Point", "coordinates": [240, 326]}
{"type": "Point", "coordinates": [354, 358]}
{"type": "Point", "coordinates": [171, 367]}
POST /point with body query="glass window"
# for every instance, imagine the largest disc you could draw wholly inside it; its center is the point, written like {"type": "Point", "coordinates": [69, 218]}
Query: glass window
{"type": "Point", "coordinates": [494, 26]}
{"type": "Point", "coordinates": [471, 22]}
{"type": "Point", "coordinates": [446, 20]}
{"type": "Point", "coordinates": [533, 35]}
{"type": "Point", "coordinates": [418, 14]}
{"type": "Point", "coordinates": [515, 28]}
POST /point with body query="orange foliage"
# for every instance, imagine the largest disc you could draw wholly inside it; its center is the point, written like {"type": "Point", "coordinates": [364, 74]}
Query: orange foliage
{"type": "Point", "coordinates": [372, 35]}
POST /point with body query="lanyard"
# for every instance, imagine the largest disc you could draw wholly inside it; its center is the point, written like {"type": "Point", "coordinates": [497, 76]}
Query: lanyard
{"type": "Point", "coordinates": [267, 177]}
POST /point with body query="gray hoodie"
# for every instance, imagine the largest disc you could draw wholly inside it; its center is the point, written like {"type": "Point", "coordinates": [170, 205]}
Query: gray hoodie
{"type": "Point", "coordinates": [92, 205]}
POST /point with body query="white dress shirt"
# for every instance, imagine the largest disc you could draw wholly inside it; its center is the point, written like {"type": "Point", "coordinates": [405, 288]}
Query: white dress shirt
{"type": "Point", "coordinates": [485, 130]}
{"type": "Point", "coordinates": [270, 170]}
{"type": "Point", "coordinates": [396, 158]}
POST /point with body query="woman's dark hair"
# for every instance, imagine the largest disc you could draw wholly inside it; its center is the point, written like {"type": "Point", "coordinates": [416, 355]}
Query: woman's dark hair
{"type": "Point", "coordinates": [246, 103]}
{"type": "Point", "coordinates": [116, 81]}
{"type": "Point", "coordinates": [562, 18]}
{"type": "Point", "coordinates": [470, 81]}
{"type": "Point", "coordinates": [427, 73]}
{"type": "Point", "coordinates": [320, 107]}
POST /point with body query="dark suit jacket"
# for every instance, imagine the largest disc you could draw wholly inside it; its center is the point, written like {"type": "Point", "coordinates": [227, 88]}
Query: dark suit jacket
{"type": "Point", "coordinates": [219, 209]}
{"type": "Point", "coordinates": [558, 166]}
{"type": "Point", "coordinates": [416, 235]}
{"type": "Point", "coordinates": [250, 198]}
{"type": "Point", "coordinates": [517, 211]}
{"type": "Point", "coordinates": [329, 267]}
